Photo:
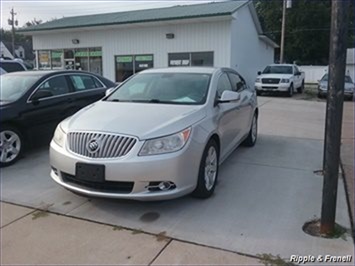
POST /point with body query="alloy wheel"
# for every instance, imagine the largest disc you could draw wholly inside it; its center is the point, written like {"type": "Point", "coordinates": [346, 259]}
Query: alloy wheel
{"type": "Point", "coordinates": [10, 146]}
{"type": "Point", "coordinates": [211, 168]}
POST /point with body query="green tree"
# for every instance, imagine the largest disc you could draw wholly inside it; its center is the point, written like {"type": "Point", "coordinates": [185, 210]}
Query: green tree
{"type": "Point", "coordinates": [307, 28]}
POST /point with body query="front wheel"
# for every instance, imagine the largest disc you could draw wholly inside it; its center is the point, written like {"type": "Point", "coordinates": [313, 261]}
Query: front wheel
{"type": "Point", "coordinates": [11, 146]}
{"type": "Point", "coordinates": [208, 171]}
{"type": "Point", "coordinates": [290, 91]}
{"type": "Point", "coordinates": [253, 133]}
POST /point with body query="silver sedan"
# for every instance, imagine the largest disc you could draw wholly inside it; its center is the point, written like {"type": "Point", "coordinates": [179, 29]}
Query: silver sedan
{"type": "Point", "coordinates": [160, 135]}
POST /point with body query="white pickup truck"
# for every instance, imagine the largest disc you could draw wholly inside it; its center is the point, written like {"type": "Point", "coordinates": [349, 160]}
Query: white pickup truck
{"type": "Point", "coordinates": [280, 78]}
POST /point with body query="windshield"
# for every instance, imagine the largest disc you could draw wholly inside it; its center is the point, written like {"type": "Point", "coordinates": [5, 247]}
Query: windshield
{"type": "Point", "coordinates": [347, 79]}
{"type": "Point", "coordinates": [278, 70]}
{"type": "Point", "coordinates": [14, 86]}
{"type": "Point", "coordinates": [170, 88]}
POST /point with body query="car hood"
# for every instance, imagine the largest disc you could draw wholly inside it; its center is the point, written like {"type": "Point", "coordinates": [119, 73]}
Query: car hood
{"type": "Point", "coordinates": [143, 120]}
{"type": "Point", "coordinates": [276, 76]}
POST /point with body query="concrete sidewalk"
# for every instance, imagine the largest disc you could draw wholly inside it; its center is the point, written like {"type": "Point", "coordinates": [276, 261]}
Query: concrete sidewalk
{"type": "Point", "coordinates": [30, 236]}
{"type": "Point", "coordinates": [347, 152]}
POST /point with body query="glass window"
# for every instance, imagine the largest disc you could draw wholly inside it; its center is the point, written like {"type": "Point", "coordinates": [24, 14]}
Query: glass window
{"type": "Point", "coordinates": [83, 82]}
{"type": "Point", "coordinates": [82, 59]}
{"type": "Point", "coordinates": [11, 66]}
{"type": "Point", "coordinates": [179, 59]}
{"type": "Point", "coordinates": [56, 85]}
{"type": "Point", "coordinates": [57, 59]}
{"type": "Point", "coordinates": [164, 88]}
{"type": "Point", "coordinates": [238, 84]}
{"type": "Point", "coordinates": [223, 85]}
{"type": "Point", "coordinates": [95, 60]}
{"type": "Point", "coordinates": [124, 67]}
{"type": "Point", "coordinates": [142, 62]}
{"type": "Point", "coordinates": [202, 59]}
{"type": "Point", "coordinates": [14, 86]}
{"type": "Point", "coordinates": [44, 59]}
{"type": "Point", "coordinates": [278, 70]}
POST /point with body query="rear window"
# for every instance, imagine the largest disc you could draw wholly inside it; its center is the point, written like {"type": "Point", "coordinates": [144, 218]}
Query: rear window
{"type": "Point", "coordinates": [11, 66]}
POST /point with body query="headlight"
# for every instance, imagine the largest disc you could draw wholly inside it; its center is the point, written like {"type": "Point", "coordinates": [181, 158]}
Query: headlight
{"type": "Point", "coordinates": [258, 80]}
{"type": "Point", "coordinates": [166, 144]}
{"type": "Point", "coordinates": [59, 135]}
{"type": "Point", "coordinates": [285, 81]}
{"type": "Point", "coordinates": [323, 87]}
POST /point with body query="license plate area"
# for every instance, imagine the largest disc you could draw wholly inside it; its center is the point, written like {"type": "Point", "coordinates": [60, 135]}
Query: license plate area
{"type": "Point", "coordinates": [90, 172]}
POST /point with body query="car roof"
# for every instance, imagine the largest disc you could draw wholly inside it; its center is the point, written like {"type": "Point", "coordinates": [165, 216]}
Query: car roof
{"type": "Point", "coordinates": [48, 72]}
{"type": "Point", "coordinates": [200, 70]}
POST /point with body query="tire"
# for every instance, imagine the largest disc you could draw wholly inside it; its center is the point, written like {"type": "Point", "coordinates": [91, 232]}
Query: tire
{"type": "Point", "coordinates": [209, 162]}
{"type": "Point", "coordinates": [258, 93]}
{"type": "Point", "coordinates": [11, 145]}
{"type": "Point", "coordinates": [301, 89]}
{"type": "Point", "coordinates": [290, 91]}
{"type": "Point", "coordinates": [253, 133]}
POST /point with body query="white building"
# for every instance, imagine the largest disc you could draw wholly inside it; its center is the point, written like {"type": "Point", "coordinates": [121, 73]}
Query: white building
{"type": "Point", "coordinates": [117, 45]}
{"type": "Point", "coordinates": [350, 63]}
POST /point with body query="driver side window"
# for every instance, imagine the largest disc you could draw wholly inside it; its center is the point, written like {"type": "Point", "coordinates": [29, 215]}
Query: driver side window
{"type": "Point", "coordinates": [223, 85]}
{"type": "Point", "coordinates": [56, 86]}
{"type": "Point", "coordinates": [238, 83]}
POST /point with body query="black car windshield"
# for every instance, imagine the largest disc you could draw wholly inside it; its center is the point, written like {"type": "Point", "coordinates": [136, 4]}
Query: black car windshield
{"type": "Point", "coordinates": [347, 79]}
{"type": "Point", "coordinates": [14, 86]}
{"type": "Point", "coordinates": [167, 88]}
{"type": "Point", "coordinates": [278, 70]}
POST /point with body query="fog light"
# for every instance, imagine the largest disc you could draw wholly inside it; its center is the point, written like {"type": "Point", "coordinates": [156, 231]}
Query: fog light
{"type": "Point", "coordinates": [161, 186]}
{"type": "Point", "coordinates": [164, 186]}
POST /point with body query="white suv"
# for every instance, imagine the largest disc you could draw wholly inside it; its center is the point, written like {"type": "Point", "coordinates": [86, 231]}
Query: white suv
{"type": "Point", "coordinates": [8, 66]}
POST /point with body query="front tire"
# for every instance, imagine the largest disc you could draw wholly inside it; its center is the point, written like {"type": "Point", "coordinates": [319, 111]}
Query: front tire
{"type": "Point", "coordinates": [253, 133]}
{"type": "Point", "coordinates": [290, 91]}
{"type": "Point", "coordinates": [301, 89]}
{"type": "Point", "coordinates": [11, 145]}
{"type": "Point", "coordinates": [208, 171]}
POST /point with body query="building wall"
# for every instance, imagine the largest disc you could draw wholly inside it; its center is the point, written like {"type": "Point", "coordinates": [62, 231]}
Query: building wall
{"type": "Point", "coordinates": [249, 53]}
{"type": "Point", "coordinates": [191, 37]}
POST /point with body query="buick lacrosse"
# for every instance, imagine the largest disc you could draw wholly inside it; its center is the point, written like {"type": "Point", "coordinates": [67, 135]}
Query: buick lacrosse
{"type": "Point", "coordinates": [161, 134]}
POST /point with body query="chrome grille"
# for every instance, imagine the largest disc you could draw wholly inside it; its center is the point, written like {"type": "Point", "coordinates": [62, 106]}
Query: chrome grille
{"type": "Point", "coordinates": [100, 145]}
{"type": "Point", "coordinates": [270, 81]}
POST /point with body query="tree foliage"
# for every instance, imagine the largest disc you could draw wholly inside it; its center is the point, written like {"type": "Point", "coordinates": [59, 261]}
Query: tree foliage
{"type": "Point", "coordinates": [307, 28]}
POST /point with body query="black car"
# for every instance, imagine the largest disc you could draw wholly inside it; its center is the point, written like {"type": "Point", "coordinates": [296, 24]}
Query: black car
{"type": "Point", "coordinates": [32, 103]}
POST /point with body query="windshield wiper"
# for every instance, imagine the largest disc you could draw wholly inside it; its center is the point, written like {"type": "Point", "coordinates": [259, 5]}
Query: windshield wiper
{"type": "Point", "coordinates": [154, 101]}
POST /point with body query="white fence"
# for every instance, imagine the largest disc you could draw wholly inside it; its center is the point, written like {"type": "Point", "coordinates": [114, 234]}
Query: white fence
{"type": "Point", "coordinates": [315, 73]}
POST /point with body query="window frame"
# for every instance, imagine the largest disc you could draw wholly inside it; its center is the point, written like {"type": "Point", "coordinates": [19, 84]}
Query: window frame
{"type": "Point", "coordinates": [190, 58]}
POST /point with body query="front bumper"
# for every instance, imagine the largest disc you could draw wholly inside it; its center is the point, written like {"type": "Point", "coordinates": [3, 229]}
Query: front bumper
{"type": "Point", "coordinates": [325, 93]}
{"type": "Point", "coordinates": [281, 87]}
{"type": "Point", "coordinates": [180, 168]}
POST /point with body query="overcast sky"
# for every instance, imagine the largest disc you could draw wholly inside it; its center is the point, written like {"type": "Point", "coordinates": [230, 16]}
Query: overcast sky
{"type": "Point", "coordinates": [47, 10]}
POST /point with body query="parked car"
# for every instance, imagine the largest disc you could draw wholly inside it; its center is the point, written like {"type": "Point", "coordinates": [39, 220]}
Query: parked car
{"type": "Point", "coordinates": [349, 87]}
{"type": "Point", "coordinates": [34, 102]}
{"type": "Point", "coordinates": [160, 135]}
{"type": "Point", "coordinates": [9, 66]}
{"type": "Point", "coordinates": [285, 78]}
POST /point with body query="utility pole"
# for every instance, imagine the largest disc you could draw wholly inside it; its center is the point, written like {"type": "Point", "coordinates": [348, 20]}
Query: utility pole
{"type": "Point", "coordinates": [286, 4]}
{"type": "Point", "coordinates": [12, 22]}
{"type": "Point", "coordinates": [283, 26]}
{"type": "Point", "coordinates": [334, 115]}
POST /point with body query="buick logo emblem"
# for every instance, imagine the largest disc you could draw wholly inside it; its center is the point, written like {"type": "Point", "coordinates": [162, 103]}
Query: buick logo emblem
{"type": "Point", "coordinates": [92, 146]}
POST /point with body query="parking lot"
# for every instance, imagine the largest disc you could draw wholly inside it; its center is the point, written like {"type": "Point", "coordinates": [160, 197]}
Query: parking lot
{"type": "Point", "coordinates": [263, 198]}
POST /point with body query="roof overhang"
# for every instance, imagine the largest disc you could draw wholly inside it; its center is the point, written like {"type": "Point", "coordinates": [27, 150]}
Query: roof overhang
{"type": "Point", "coordinates": [130, 25]}
{"type": "Point", "coordinates": [268, 41]}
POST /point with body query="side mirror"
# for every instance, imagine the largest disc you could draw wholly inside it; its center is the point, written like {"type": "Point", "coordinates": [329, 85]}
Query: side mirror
{"type": "Point", "coordinates": [259, 73]}
{"type": "Point", "coordinates": [40, 94]}
{"type": "Point", "coordinates": [108, 91]}
{"type": "Point", "coordinates": [229, 96]}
